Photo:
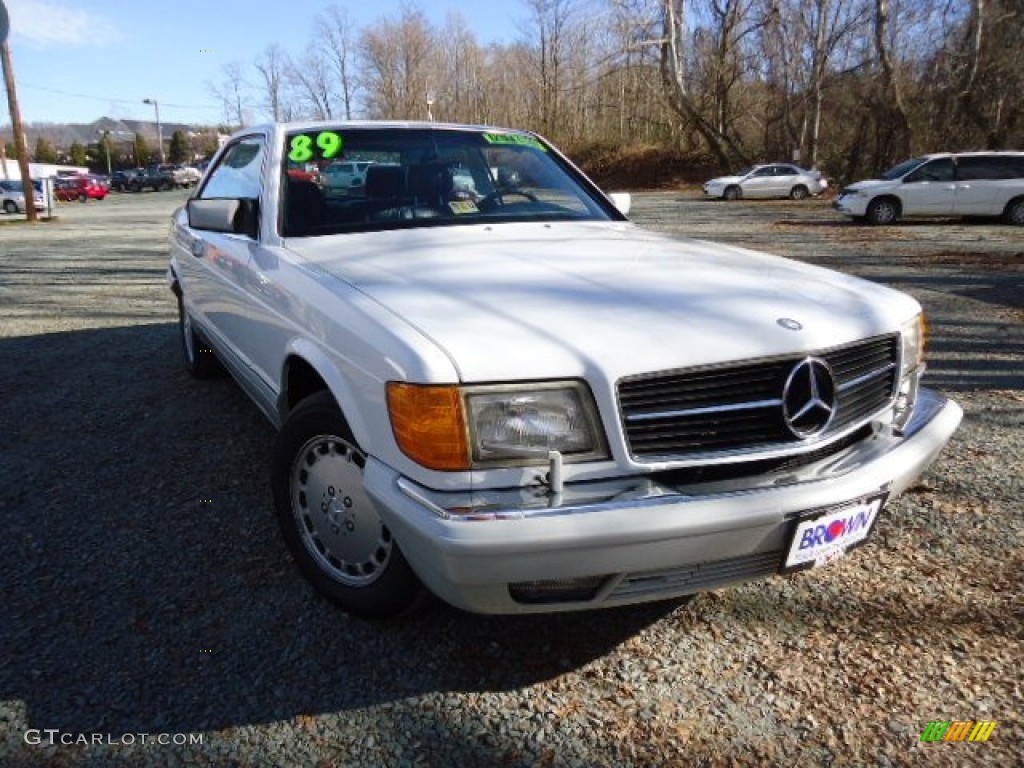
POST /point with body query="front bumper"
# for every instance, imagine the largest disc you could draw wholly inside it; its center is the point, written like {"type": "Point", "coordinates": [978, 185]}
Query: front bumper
{"type": "Point", "coordinates": [851, 205]}
{"type": "Point", "coordinates": [639, 538]}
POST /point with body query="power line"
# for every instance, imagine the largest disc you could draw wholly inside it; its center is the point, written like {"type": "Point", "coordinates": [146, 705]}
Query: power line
{"type": "Point", "coordinates": [114, 101]}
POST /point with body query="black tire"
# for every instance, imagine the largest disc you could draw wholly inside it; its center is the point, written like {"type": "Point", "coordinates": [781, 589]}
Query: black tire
{"type": "Point", "coordinates": [83, 198]}
{"type": "Point", "coordinates": [328, 520]}
{"type": "Point", "coordinates": [883, 210]}
{"type": "Point", "coordinates": [10, 206]}
{"type": "Point", "coordinates": [133, 187]}
{"type": "Point", "coordinates": [799, 192]}
{"type": "Point", "coordinates": [200, 361]}
{"type": "Point", "coordinates": [732, 193]}
{"type": "Point", "coordinates": [1014, 213]}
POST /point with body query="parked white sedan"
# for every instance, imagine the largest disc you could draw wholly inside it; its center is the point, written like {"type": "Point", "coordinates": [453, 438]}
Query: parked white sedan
{"type": "Point", "coordinates": [511, 395]}
{"type": "Point", "coordinates": [775, 180]}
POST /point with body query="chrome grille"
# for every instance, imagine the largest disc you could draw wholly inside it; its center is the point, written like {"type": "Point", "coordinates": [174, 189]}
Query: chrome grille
{"type": "Point", "coordinates": [700, 412]}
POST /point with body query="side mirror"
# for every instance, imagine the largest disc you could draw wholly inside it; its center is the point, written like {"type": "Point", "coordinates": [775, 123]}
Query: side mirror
{"type": "Point", "coordinates": [622, 200]}
{"type": "Point", "coordinates": [237, 217]}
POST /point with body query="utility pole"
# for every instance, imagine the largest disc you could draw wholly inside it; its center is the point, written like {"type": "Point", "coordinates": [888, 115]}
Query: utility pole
{"type": "Point", "coordinates": [19, 132]}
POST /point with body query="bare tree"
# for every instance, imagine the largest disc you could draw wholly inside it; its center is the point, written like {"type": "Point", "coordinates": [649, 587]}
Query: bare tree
{"type": "Point", "coordinates": [272, 66]}
{"type": "Point", "coordinates": [675, 70]}
{"type": "Point", "coordinates": [231, 93]}
{"type": "Point", "coordinates": [397, 59]}
{"type": "Point", "coordinates": [335, 31]}
{"type": "Point", "coordinates": [310, 78]}
{"type": "Point", "coordinates": [891, 102]}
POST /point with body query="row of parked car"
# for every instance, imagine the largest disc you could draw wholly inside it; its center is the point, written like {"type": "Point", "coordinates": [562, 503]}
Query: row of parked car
{"type": "Point", "coordinates": [941, 184]}
{"type": "Point", "coordinates": [156, 178]}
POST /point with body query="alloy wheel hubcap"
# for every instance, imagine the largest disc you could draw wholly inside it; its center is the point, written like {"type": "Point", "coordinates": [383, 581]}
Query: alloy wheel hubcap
{"type": "Point", "coordinates": [336, 520]}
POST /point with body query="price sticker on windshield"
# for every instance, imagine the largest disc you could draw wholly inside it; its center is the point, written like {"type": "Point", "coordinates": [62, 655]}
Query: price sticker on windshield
{"type": "Point", "coordinates": [516, 139]}
{"type": "Point", "coordinates": [306, 146]}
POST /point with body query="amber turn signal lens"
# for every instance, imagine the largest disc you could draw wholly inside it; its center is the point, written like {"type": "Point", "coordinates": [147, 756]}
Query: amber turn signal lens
{"type": "Point", "coordinates": [428, 424]}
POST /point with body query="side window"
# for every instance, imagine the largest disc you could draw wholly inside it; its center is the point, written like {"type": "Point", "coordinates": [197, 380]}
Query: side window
{"type": "Point", "coordinates": [936, 170]}
{"type": "Point", "coordinates": [237, 175]}
{"type": "Point", "coordinates": [980, 167]}
{"type": "Point", "coordinates": [1014, 167]}
{"type": "Point", "coordinates": [762, 172]}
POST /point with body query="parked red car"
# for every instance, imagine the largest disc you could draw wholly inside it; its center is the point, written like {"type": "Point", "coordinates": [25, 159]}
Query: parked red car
{"type": "Point", "coordinates": [79, 188]}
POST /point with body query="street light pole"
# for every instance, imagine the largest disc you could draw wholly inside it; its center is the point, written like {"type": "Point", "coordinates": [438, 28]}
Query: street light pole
{"type": "Point", "coordinates": [159, 130]}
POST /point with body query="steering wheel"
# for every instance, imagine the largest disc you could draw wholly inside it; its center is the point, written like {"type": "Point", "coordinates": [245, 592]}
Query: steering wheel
{"type": "Point", "coordinates": [497, 197]}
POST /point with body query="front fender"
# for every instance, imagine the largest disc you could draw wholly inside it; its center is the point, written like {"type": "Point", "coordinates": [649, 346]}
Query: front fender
{"type": "Point", "coordinates": [338, 385]}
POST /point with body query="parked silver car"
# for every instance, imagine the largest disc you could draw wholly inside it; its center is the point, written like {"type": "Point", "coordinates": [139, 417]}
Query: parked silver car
{"type": "Point", "coordinates": [339, 178]}
{"type": "Point", "coordinates": [12, 196]}
{"type": "Point", "coordinates": [775, 180]}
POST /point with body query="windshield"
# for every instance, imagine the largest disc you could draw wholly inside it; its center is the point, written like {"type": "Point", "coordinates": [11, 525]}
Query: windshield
{"type": "Point", "coordinates": [355, 179]}
{"type": "Point", "coordinates": [901, 170]}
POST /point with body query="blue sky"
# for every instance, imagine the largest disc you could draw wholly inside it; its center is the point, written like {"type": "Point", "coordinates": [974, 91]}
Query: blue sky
{"type": "Point", "coordinates": [77, 60]}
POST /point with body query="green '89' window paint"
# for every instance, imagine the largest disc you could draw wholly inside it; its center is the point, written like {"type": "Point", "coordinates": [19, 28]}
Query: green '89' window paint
{"type": "Point", "coordinates": [302, 149]}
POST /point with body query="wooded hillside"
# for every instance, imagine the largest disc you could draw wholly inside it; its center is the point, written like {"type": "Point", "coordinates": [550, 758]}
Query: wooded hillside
{"type": "Point", "coordinates": [850, 86]}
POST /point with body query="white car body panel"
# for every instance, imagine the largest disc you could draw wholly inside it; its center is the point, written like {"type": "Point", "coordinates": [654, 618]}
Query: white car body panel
{"type": "Point", "coordinates": [621, 301]}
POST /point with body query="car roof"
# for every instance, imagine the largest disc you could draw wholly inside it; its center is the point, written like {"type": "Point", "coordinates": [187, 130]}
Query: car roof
{"type": "Point", "coordinates": [399, 124]}
{"type": "Point", "coordinates": [976, 153]}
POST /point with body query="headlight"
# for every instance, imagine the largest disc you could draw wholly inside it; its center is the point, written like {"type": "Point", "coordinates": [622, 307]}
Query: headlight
{"type": "Point", "coordinates": [913, 335]}
{"type": "Point", "coordinates": [523, 425]}
{"type": "Point", "coordinates": [457, 428]}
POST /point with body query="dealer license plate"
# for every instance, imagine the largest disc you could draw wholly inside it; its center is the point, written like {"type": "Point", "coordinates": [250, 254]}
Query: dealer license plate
{"type": "Point", "coordinates": [826, 536]}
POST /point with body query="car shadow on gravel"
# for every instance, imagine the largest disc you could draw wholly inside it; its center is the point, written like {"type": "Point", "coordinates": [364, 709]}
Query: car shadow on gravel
{"type": "Point", "coordinates": [145, 586]}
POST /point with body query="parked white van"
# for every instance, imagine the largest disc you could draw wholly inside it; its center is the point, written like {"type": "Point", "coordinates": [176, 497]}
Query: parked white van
{"type": "Point", "coordinates": [963, 184]}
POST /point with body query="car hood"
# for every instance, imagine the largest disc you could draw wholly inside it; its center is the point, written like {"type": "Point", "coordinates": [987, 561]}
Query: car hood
{"type": "Point", "coordinates": [726, 180]}
{"type": "Point", "coordinates": [864, 186]}
{"type": "Point", "coordinates": [534, 300]}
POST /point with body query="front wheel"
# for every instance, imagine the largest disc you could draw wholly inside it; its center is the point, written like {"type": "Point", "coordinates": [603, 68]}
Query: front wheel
{"type": "Point", "coordinates": [327, 518]}
{"type": "Point", "coordinates": [883, 210]}
{"type": "Point", "coordinates": [1015, 213]}
{"type": "Point", "coordinates": [732, 193]}
{"type": "Point", "coordinates": [10, 206]}
{"type": "Point", "coordinates": [83, 198]}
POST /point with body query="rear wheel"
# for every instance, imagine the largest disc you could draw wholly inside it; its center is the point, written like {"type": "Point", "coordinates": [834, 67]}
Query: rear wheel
{"type": "Point", "coordinates": [10, 206]}
{"type": "Point", "coordinates": [327, 519]}
{"type": "Point", "coordinates": [799, 192]}
{"type": "Point", "coordinates": [83, 198]}
{"type": "Point", "coordinates": [883, 210]}
{"type": "Point", "coordinates": [1015, 212]}
{"type": "Point", "coordinates": [732, 193]}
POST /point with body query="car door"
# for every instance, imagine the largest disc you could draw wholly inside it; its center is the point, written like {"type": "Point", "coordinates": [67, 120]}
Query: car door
{"type": "Point", "coordinates": [784, 178]}
{"type": "Point", "coordinates": [758, 183]}
{"type": "Point", "coordinates": [218, 272]}
{"type": "Point", "coordinates": [929, 190]}
{"type": "Point", "coordinates": [976, 185]}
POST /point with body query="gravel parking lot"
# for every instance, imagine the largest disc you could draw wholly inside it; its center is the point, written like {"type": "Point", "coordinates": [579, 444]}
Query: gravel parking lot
{"type": "Point", "coordinates": [146, 591]}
